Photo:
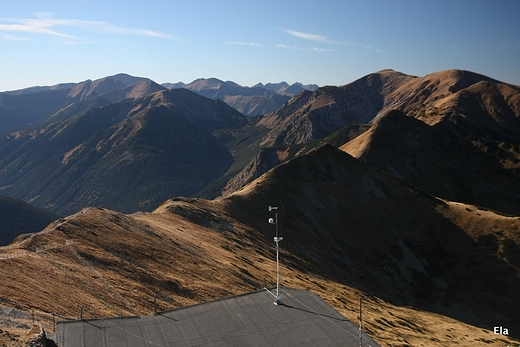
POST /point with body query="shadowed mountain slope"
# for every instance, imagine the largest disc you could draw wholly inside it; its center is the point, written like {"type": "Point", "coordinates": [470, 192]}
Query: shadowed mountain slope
{"type": "Point", "coordinates": [347, 229]}
{"type": "Point", "coordinates": [133, 91]}
{"type": "Point", "coordinates": [474, 105]}
{"type": "Point", "coordinates": [19, 217]}
{"type": "Point", "coordinates": [19, 110]}
{"type": "Point", "coordinates": [448, 165]}
{"type": "Point", "coordinates": [461, 104]}
{"type": "Point", "coordinates": [22, 107]}
{"type": "Point", "coordinates": [315, 117]}
{"type": "Point", "coordinates": [385, 236]}
{"type": "Point", "coordinates": [269, 157]}
{"type": "Point", "coordinates": [474, 123]}
{"type": "Point", "coordinates": [256, 104]}
{"type": "Point", "coordinates": [129, 155]}
{"type": "Point", "coordinates": [480, 105]}
{"type": "Point", "coordinates": [409, 224]}
{"type": "Point", "coordinates": [311, 115]}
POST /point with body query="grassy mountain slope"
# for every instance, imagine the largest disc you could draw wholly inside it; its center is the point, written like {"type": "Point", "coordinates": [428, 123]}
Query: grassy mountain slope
{"type": "Point", "coordinates": [455, 167]}
{"type": "Point", "coordinates": [460, 104]}
{"type": "Point", "coordinates": [22, 107]}
{"type": "Point", "coordinates": [129, 155]}
{"type": "Point", "coordinates": [311, 115]}
{"type": "Point", "coordinates": [19, 110]}
{"type": "Point", "coordinates": [349, 230]}
{"type": "Point", "coordinates": [256, 104]}
{"type": "Point", "coordinates": [269, 157]}
{"type": "Point", "coordinates": [351, 220]}
{"type": "Point", "coordinates": [132, 91]}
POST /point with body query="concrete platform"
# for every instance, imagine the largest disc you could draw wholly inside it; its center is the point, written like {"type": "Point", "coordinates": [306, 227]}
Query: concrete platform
{"type": "Point", "coordinates": [250, 319]}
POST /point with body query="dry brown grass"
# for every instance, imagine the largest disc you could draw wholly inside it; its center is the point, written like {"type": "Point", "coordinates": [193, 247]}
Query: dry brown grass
{"type": "Point", "coordinates": [189, 251]}
{"type": "Point", "coordinates": [124, 261]}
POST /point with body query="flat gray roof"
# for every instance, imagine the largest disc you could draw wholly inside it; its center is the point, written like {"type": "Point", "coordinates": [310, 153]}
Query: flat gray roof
{"type": "Point", "coordinates": [250, 319]}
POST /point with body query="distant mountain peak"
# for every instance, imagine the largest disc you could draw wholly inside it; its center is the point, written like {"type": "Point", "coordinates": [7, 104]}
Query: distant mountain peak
{"type": "Point", "coordinates": [176, 85]}
{"type": "Point", "coordinates": [205, 83]}
{"type": "Point", "coordinates": [128, 79]}
{"type": "Point", "coordinates": [282, 84]}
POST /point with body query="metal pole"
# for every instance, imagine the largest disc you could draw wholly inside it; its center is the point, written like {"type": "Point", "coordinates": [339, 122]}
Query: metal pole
{"type": "Point", "coordinates": [277, 239]}
{"type": "Point", "coordinates": [277, 260]}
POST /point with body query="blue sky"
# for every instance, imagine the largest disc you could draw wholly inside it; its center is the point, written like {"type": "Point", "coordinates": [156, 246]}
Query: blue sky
{"type": "Point", "coordinates": [322, 42]}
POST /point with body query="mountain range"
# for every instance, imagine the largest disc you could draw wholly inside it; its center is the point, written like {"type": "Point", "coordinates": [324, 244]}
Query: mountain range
{"type": "Point", "coordinates": [400, 188]}
{"type": "Point", "coordinates": [175, 142]}
{"type": "Point", "coordinates": [159, 145]}
{"type": "Point", "coordinates": [92, 134]}
{"type": "Point", "coordinates": [251, 101]}
{"type": "Point", "coordinates": [19, 108]}
{"type": "Point", "coordinates": [465, 122]}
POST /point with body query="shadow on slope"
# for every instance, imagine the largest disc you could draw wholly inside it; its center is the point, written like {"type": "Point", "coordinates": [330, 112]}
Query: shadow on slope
{"type": "Point", "coordinates": [361, 227]}
{"type": "Point", "coordinates": [269, 157]}
{"type": "Point", "coordinates": [19, 217]}
{"type": "Point", "coordinates": [446, 164]}
{"type": "Point", "coordinates": [130, 155]}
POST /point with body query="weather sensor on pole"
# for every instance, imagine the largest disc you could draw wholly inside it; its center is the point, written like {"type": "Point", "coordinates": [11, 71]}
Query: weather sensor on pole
{"type": "Point", "coordinates": [277, 239]}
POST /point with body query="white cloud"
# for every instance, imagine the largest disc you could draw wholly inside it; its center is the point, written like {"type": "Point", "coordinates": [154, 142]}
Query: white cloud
{"type": "Point", "coordinates": [34, 27]}
{"type": "Point", "coordinates": [321, 49]}
{"type": "Point", "coordinates": [323, 39]}
{"type": "Point", "coordinates": [239, 43]}
{"type": "Point", "coordinates": [298, 48]}
{"type": "Point", "coordinates": [45, 24]}
{"type": "Point", "coordinates": [310, 37]}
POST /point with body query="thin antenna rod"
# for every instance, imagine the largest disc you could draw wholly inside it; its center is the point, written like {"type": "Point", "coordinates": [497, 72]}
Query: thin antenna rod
{"type": "Point", "coordinates": [277, 239]}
